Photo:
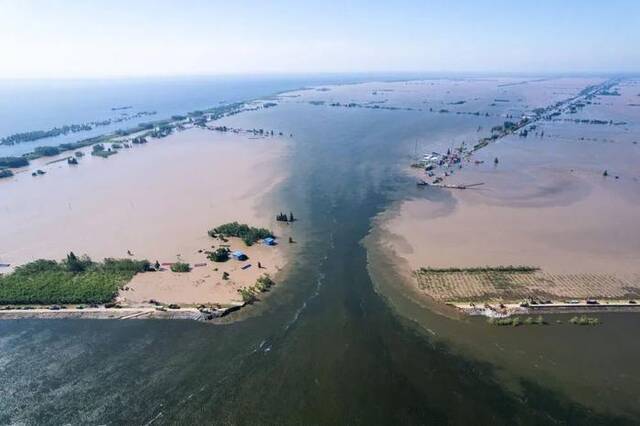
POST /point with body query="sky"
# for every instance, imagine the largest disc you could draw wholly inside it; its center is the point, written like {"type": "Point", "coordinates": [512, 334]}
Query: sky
{"type": "Point", "coordinates": [87, 39]}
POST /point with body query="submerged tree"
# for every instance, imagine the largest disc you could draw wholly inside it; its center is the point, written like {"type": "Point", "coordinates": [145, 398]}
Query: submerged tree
{"type": "Point", "coordinates": [75, 265]}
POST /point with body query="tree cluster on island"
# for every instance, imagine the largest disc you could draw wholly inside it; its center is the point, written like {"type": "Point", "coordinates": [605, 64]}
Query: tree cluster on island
{"type": "Point", "coordinates": [7, 163]}
{"type": "Point", "coordinates": [246, 233]}
{"type": "Point", "coordinates": [72, 280]}
{"type": "Point", "coordinates": [139, 140]}
{"type": "Point", "coordinates": [35, 135]}
{"type": "Point", "coordinates": [282, 217]}
{"type": "Point", "coordinates": [99, 150]}
{"type": "Point", "coordinates": [46, 151]}
{"type": "Point", "coordinates": [13, 162]}
{"type": "Point", "coordinates": [159, 128]}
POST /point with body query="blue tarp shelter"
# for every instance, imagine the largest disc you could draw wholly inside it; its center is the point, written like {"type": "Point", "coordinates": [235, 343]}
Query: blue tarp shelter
{"type": "Point", "coordinates": [238, 255]}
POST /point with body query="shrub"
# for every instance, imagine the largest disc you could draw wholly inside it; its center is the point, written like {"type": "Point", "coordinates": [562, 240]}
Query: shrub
{"type": "Point", "coordinates": [37, 266]}
{"type": "Point", "coordinates": [247, 294]}
{"type": "Point", "coordinates": [509, 321]}
{"type": "Point", "coordinates": [264, 283]}
{"type": "Point", "coordinates": [584, 320]}
{"type": "Point", "coordinates": [180, 267]}
{"type": "Point", "coordinates": [220, 255]}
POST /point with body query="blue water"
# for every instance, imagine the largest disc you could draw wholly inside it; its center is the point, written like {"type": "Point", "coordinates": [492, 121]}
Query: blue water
{"type": "Point", "coordinates": [27, 105]}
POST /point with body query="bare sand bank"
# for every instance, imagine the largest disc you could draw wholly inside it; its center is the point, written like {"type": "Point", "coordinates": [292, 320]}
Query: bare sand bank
{"type": "Point", "coordinates": [156, 201]}
{"type": "Point", "coordinates": [205, 283]}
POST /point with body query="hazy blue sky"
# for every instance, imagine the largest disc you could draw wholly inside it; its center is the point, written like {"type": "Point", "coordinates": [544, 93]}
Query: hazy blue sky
{"type": "Point", "coordinates": [156, 37]}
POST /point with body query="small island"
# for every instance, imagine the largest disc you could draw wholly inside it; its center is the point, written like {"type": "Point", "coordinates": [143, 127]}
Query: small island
{"type": "Point", "coordinates": [234, 271]}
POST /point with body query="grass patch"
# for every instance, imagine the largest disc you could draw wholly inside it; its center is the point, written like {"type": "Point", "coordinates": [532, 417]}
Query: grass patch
{"type": "Point", "coordinates": [73, 280]}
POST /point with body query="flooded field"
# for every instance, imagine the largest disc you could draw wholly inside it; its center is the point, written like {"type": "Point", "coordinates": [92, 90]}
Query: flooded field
{"type": "Point", "coordinates": [347, 337]}
{"type": "Point", "coordinates": [498, 286]}
{"type": "Point", "coordinates": [545, 203]}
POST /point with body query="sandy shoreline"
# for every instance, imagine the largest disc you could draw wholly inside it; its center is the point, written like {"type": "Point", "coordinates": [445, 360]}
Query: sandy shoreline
{"type": "Point", "coordinates": [204, 284]}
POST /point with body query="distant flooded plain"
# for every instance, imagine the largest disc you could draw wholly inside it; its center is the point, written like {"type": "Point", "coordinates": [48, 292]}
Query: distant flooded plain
{"type": "Point", "coordinates": [343, 339]}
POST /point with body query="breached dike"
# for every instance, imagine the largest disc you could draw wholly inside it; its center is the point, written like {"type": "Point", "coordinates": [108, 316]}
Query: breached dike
{"type": "Point", "coordinates": [124, 313]}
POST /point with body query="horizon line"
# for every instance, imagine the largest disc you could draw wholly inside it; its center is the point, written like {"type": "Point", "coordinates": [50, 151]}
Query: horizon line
{"type": "Point", "coordinates": [442, 73]}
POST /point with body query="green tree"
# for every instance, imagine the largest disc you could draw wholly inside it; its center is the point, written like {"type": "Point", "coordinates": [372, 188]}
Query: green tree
{"type": "Point", "coordinates": [74, 264]}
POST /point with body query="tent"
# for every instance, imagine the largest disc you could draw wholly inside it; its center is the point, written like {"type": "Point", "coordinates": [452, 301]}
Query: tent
{"type": "Point", "coordinates": [238, 255]}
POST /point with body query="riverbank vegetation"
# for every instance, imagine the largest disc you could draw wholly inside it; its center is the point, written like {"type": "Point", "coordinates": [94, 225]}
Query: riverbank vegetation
{"type": "Point", "coordinates": [584, 320]}
{"type": "Point", "coordinates": [262, 285]}
{"type": "Point", "coordinates": [72, 280]}
{"type": "Point", "coordinates": [246, 233]}
{"type": "Point", "coordinates": [517, 321]}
